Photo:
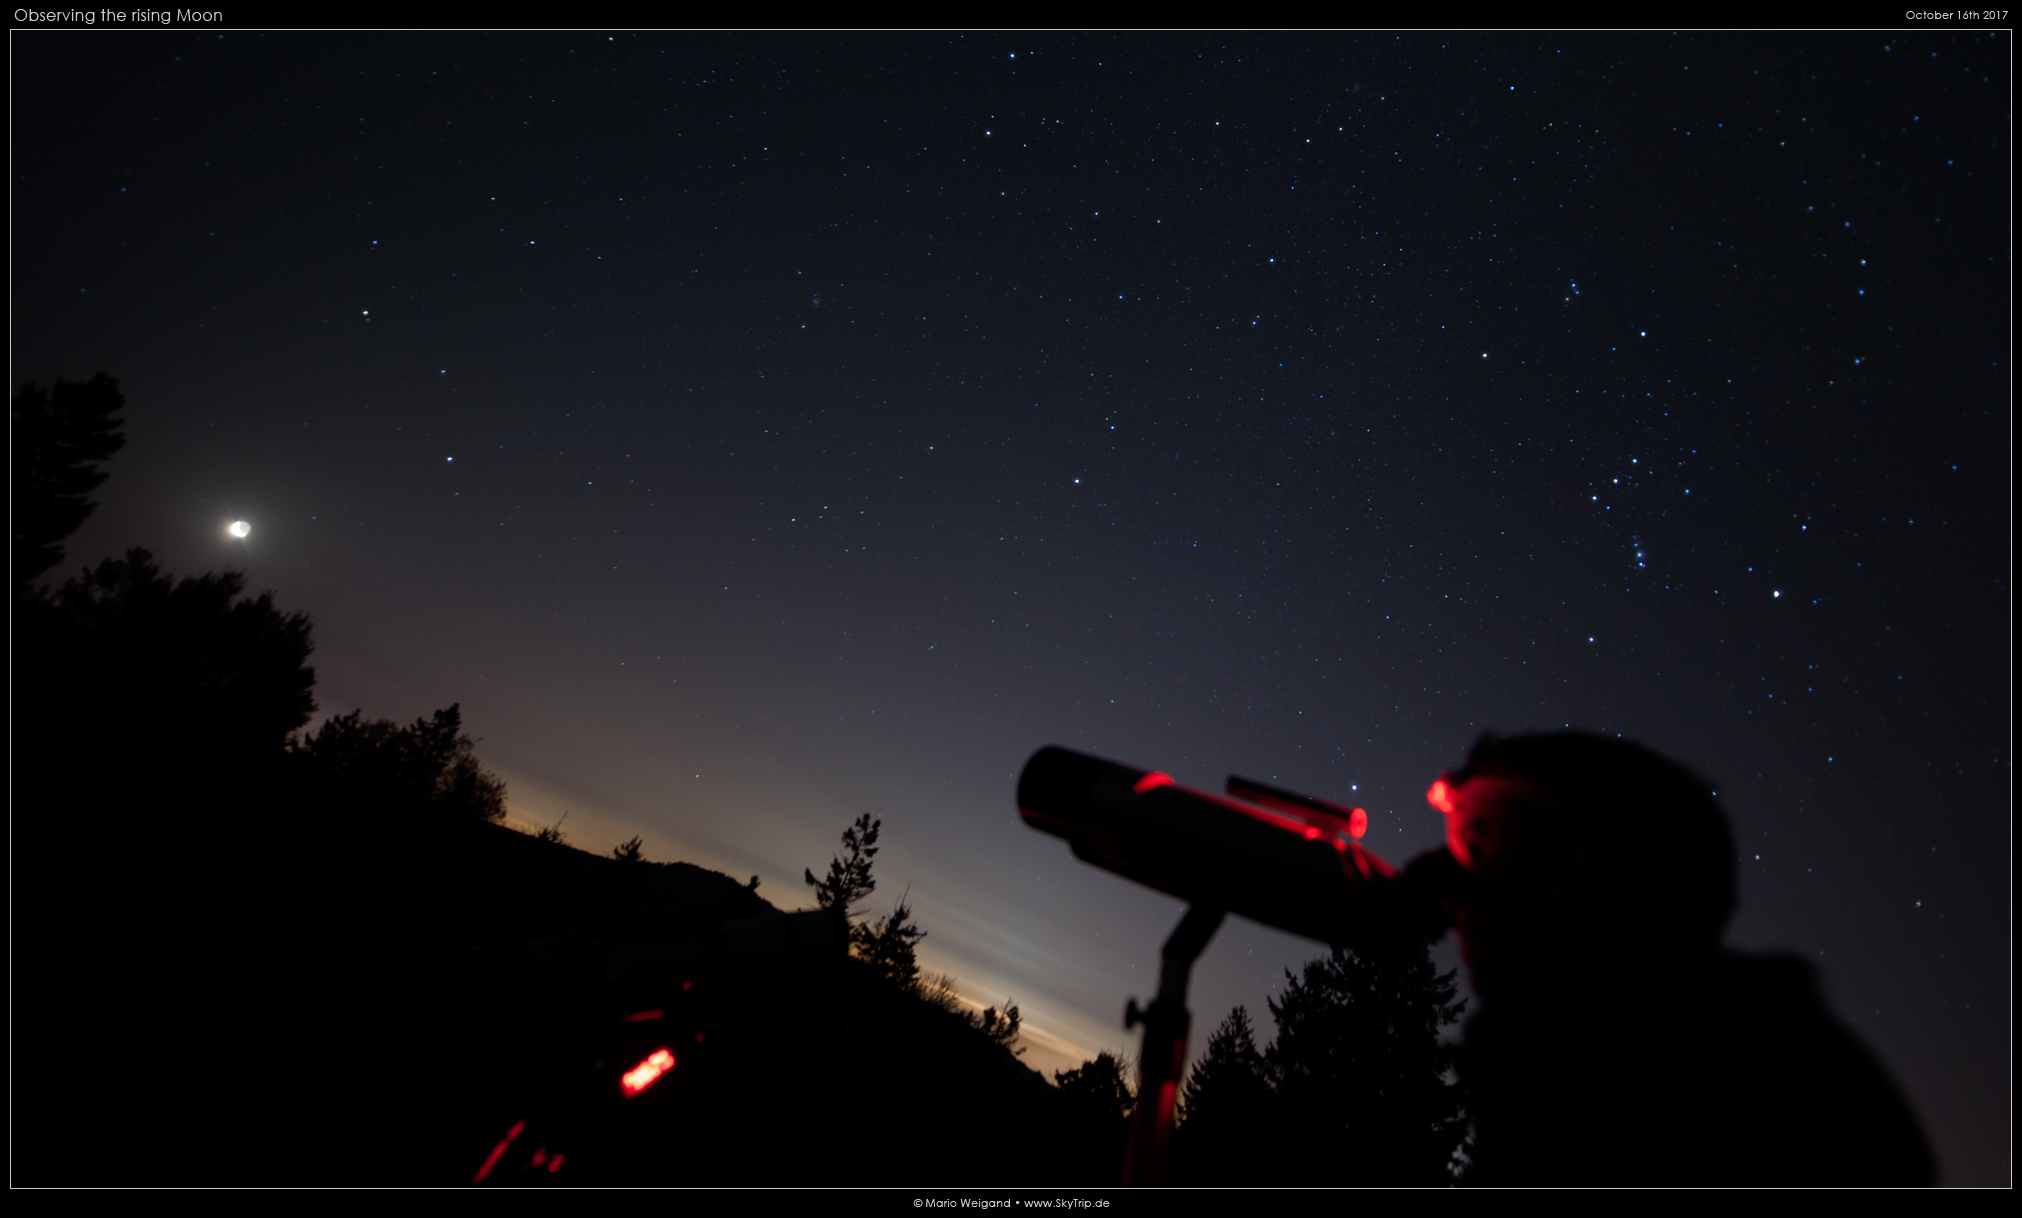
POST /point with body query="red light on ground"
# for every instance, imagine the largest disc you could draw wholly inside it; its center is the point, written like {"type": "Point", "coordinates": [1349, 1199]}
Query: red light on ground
{"type": "Point", "coordinates": [647, 1072]}
{"type": "Point", "coordinates": [498, 1152]}
{"type": "Point", "coordinates": [1152, 781]}
{"type": "Point", "coordinates": [644, 1016]}
{"type": "Point", "coordinates": [1358, 823]}
{"type": "Point", "coordinates": [1441, 797]}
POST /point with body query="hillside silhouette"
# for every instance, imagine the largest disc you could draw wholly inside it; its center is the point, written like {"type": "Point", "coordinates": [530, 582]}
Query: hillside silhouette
{"type": "Point", "coordinates": [248, 953]}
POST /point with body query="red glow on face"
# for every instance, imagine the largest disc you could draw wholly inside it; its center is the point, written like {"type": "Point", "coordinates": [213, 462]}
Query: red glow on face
{"type": "Point", "coordinates": [647, 1072]}
{"type": "Point", "coordinates": [644, 1016]}
{"type": "Point", "coordinates": [498, 1152]}
{"type": "Point", "coordinates": [1441, 797]}
{"type": "Point", "coordinates": [1152, 781]}
{"type": "Point", "coordinates": [1358, 823]}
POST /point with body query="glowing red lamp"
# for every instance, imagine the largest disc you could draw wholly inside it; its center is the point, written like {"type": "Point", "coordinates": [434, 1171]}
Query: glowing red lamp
{"type": "Point", "coordinates": [647, 1072]}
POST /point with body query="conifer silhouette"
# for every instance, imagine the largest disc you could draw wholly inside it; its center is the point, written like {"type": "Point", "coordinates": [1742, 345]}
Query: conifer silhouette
{"type": "Point", "coordinates": [60, 435]}
{"type": "Point", "coordinates": [1225, 1108]}
{"type": "Point", "coordinates": [849, 874]}
{"type": "Point", "coordinates": [1360, 1078]}
{"type": "Point", "coordinates": [887, 945]}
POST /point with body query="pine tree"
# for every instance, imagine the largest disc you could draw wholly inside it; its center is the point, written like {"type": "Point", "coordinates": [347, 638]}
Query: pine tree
{"type": "Point", "coordinates": [887, 946]}
{"type": "Point", "coordinates": [1361, 1080]}
{"type": "Point", "coordinates": [1096, 1099]}
{"type": "Point", "coordinates": [849, 875]}
{"type": "Point", "coordinates": [60, 436]}
{"type": "Point", "coordinates": [1225, 1109]}
{"type": "Point", "coordinates": [1001, 1028]}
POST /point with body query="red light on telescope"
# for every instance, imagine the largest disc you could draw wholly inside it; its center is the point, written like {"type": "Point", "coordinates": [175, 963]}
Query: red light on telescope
{"type": "Point", "coordinates": [1441, 797]}
{"type": "Point", "coordinates": [1358, 823]}
{"type": "Point", "coordinates": [647, 1072]}
{"type": "Point", "coordinates": [498, 1152]}
{"type": "Point", "coordinates": [1152, 781]}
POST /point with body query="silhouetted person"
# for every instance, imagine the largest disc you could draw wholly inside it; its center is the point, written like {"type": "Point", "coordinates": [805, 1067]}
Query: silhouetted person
{"type": "Point", "coordinates": [1616, 1041]}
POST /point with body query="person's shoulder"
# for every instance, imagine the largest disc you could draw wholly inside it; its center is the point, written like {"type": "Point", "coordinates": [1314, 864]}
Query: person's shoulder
{"type": "Point", "coordinates": [1836, 1104]}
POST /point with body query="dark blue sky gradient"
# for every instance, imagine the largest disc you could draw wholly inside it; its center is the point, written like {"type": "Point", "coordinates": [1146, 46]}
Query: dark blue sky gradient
{"type": "Point", "coordinates": [751, 432]}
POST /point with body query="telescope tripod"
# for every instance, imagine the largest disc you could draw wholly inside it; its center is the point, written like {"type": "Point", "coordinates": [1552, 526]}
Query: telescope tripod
{"type": "Point", "coordinates": [1163, 1058]}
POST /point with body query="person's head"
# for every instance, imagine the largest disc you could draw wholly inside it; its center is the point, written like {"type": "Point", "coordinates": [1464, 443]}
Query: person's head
{"type": "Point", "coordinates": [1578, 847]}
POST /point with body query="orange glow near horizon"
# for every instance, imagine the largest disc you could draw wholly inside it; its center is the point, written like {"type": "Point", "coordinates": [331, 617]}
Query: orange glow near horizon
{"type": "Point", "coordinates": [647, 1072]}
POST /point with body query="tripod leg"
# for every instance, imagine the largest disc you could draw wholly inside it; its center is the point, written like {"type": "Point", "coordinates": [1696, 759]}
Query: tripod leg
{"type": "Point", "coordinates": [1163, 1058]}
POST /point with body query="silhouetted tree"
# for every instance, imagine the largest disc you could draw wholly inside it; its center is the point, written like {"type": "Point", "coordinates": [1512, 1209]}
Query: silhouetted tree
{"type": "Point", "coordinates": [887, 946]}
{"type": "Point", "coordinates": [1361, 1080]}
{"type": "Point", "coordinates": [631, 852]}
{"type": "Point", "coordinates": [1098, 1088]}
{"type": "Point", "coordinates": [60, 435]}
{"type": "Point", "coordinates": [1096, 1100]}
{"type": "Point", "coordinates": [150, 716]}
{"type": "Point", "coordinates": [1225, 1109]}
{"type": "Point", "coordinates": [188, 669]}
{"type": "Point", "coordinates": [1001, 1028]}
{"type": "Point", "coordinates": [428, 765]}
{"type": "Point", "coordinates": [849, 875]}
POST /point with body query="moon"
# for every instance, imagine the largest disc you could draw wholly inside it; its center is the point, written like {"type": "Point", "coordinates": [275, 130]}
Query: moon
{"type": "Point", "coordinates": [239, 528]}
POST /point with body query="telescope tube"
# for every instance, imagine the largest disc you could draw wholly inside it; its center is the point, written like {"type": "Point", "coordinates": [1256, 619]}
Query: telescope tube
{"type": "Point", "coordinates": [1284, 865]}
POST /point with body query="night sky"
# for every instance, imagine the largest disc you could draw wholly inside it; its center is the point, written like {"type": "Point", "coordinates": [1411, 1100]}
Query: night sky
{"type": "Point", "coordinates": [754, 432]}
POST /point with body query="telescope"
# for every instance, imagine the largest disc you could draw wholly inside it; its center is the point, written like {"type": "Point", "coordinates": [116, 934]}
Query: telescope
{"type": "Point", "coordinates": [1274, 856]}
